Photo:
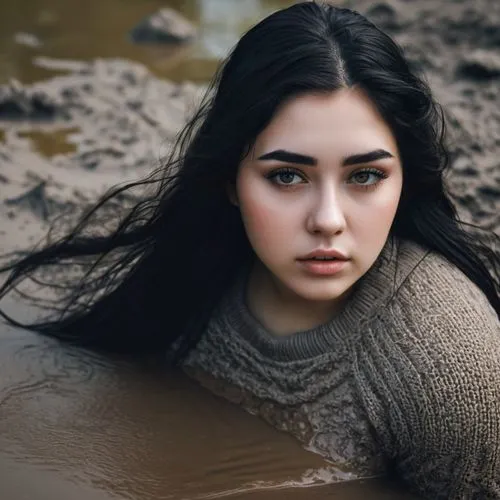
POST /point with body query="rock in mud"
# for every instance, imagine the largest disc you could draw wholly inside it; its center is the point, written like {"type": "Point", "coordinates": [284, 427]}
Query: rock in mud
{"type": "Point", "coordinates": [28, 40]}
{"type": "Point", "coordinates": [385, 15]}
{"type": "Point", "coordinates": [480, 65]}
{"type": "Point", "coordinates": [165, 26]}
{"type": "Point", "coordinates": [35, 200]}
{"type": "Point", "coordinates": [21, 103]}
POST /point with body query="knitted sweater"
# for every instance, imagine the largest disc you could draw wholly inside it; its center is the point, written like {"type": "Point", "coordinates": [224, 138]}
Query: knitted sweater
{"type": "Point", "coordinates": [408, 380]}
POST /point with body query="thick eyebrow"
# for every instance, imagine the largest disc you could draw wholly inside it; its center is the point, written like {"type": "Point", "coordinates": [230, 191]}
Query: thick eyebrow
{"type": "Point", "coordinates": [377, 154]}
{"type": "Point", "coordinates": [290, 157]}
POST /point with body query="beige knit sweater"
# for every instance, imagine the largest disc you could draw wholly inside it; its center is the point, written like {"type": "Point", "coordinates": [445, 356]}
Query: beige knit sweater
{"type": "Point", "coordinates": [407, 381]}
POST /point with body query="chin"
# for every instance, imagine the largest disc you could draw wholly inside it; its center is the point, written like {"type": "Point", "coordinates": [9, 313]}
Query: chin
{"type": "Point", "coordinates": [321, 293]}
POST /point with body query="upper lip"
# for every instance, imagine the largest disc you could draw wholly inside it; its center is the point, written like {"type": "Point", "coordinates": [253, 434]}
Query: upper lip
{"type": "Point", "coordinates": [325, 253]}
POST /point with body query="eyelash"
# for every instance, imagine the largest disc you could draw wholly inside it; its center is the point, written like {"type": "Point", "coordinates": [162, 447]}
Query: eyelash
{"type": "Point", "coordinates": [287, 170]}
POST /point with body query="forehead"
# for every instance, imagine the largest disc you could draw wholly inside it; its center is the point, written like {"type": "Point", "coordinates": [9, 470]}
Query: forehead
{"type": "Point", "coordinates": [341, 122]}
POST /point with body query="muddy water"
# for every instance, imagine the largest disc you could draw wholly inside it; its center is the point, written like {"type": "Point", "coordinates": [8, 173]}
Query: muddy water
{"type": "Point", "coordinates": [80, 426]}
{"type": "Point", "coordinates": [77, 425]}
{"type": "Point", "coordinates": [88, 29]}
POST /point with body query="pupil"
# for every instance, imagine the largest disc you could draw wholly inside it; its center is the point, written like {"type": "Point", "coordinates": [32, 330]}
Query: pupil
{"type": "Point", "coordinates": [363, 177]}
{"type": "Point", "coordinates": [286, 177]}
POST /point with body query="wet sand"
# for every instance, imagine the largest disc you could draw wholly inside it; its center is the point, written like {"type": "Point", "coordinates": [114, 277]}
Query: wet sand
{"type": "Point", "coordinates": [77, 425]}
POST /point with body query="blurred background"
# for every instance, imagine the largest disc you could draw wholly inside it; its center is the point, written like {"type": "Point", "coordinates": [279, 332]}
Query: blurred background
{"type": "Point", "coordinates": [88, 29]}
{"type": "Point", "coordinates": [104, 86]}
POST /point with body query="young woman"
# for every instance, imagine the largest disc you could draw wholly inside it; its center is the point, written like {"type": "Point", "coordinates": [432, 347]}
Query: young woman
{"type": "Point", "coordinates": [301, 256]}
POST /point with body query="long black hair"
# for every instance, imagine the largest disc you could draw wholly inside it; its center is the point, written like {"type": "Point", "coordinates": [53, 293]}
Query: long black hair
{"type": "Point", "coordinates": [154, 279]}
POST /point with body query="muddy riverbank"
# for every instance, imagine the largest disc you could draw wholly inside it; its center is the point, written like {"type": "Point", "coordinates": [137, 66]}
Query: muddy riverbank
{"type": "Point", "coordinates": [66, 139]}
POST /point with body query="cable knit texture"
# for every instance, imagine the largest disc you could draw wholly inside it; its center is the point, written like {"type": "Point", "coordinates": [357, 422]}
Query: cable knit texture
{"type": "Point", "coordinates": [406, 376]}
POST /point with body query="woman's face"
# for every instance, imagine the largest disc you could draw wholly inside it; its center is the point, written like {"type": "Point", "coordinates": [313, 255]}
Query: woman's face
{"type": "Point", "coordinates": [324, 176]}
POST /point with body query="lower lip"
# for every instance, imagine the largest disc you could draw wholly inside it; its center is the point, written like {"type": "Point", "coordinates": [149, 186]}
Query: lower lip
{"type": "Point", "coordinates": [323, 267]}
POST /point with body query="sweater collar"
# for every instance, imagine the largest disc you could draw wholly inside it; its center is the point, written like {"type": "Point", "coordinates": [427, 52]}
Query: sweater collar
{"type": "Point", "coordinates": [372, 291]}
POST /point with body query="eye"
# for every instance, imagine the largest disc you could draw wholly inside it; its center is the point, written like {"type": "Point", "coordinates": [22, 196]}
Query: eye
{"type": "Point", "coordinates": [367, 177]}
{"type": "Point", "coordinates": [285, 177]}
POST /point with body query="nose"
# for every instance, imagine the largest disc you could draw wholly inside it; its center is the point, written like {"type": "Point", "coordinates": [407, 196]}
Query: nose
{"type": "Point", "coordinates": [326, 216]}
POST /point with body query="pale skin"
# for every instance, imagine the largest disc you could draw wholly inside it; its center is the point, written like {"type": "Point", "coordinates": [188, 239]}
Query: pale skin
{"type": "Point", "coordinates": [339, 189]}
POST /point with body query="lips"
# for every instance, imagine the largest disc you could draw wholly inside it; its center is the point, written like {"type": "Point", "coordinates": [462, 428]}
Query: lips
{"type": "Point", "coordinates": [324, 262]}
{"type": "Point", "coordinates": [322, 255]}
{"type": "Point", "coordinates": [323, 258]}
{"type": "Point", "coordinates": [323, 267]}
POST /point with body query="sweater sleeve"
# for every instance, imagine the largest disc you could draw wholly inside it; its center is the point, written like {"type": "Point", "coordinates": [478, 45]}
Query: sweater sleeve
{"type": "Point", "coordinates": [428, 375]}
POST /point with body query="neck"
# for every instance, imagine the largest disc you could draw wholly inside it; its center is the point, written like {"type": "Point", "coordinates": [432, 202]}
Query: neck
{"type": "Point", "coordinates": [280, 310]}
{"type": "Point", "coordinates": [373, 292]}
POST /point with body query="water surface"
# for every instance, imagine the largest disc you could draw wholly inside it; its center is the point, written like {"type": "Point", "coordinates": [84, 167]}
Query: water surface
{"type": "Point", "coordinates": [78, 425]}
{"type": "Point", "coordinates": [76, 29]}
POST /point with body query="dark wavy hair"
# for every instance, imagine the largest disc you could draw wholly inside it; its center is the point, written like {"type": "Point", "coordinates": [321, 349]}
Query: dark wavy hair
{"type": "Point", "coordinates": [153, 281]}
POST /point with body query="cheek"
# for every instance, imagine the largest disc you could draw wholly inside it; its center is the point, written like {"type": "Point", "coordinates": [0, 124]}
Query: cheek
{"type": "Point", "coordinates": [385, 207]}
{"type": "Point", "coordinates": [376, 213]}
{"type": "Point", "coordinates": [266, 220]}
{"type": "Point", "coordinates": [389, 200]}
{"type": "Point", "coordinates": [383, 202]}
{"type": "Point", "coordinates": [257, 218]}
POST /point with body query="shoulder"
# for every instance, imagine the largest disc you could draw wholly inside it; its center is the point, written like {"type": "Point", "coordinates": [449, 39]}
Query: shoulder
{"type": "Point", "coordinates": [428, 372]}
{"type": "Point", "coordinates": [435, 312]}
{"type": "Point", "coordinates": [435, 290]}
{"type": "Point", "coordinates": [441, 322]}
{"type": "Point", "coordinates": [437, 324]}
{"type": "Point", "coordinates": [446, 329]}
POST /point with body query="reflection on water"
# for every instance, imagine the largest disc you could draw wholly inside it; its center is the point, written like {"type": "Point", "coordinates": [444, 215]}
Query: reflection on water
{"type": "Point", "coordinates": [223, 21]}
{"type": "Point", "coordinates": [98, 28]}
